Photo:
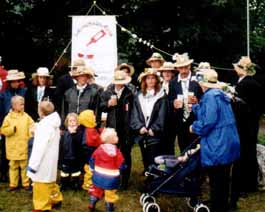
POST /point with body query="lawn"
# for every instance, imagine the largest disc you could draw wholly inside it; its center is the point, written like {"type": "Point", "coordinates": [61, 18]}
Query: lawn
{"type": "Point", "coordinates": [129, 200]}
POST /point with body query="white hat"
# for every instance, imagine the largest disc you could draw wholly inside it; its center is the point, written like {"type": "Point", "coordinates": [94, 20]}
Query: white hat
{"type": "Point", "coordinates": [43, 72]}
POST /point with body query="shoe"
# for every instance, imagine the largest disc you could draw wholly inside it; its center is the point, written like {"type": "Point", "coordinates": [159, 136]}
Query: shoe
{"type": "Point", "coordinates": [57, 205]}
{"type": "Point", "coordinates": [27, 188]}
{"type": "Point", "coordinates": [91, 208]}
{"type": "Point", "coordinates": [10, 189]}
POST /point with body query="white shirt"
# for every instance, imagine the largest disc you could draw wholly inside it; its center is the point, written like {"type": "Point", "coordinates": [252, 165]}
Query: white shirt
{"type": "Point", "coordinates": [119, 92]}
{"type": "Point", "coordinates": [40, 93]}
{"type": "Point", "coordinates": [147, 103]}
{"type": "Point", "coordinates": [185, 84]}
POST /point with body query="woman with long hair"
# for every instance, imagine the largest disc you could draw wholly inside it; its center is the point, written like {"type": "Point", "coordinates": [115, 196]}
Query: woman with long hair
{"type": "Point", "coordinates": [148, 116]}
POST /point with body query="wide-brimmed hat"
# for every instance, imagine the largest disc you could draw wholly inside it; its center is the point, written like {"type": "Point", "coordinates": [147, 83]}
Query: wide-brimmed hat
{"type": "Point", "coordinates": [246, 64]}
{"type": "Point", "coordinates": [82, 71]}
{"type": "Point", "coordinates": [209, 78]}
{"type": "Point", "coordinates": [14, 74]}
{"type": "Point", "coordinates": [182, 59]}
{"type": "Point", "coordinates": [78, 63]}
{"type": "Point", "coordinates": [167, 66]}
{"type": "Point", "coordinates": [125, 66]}
{"type": "Point", "coordinates": [121, 78]}
{"type": "Point", "coordinates": [203, 66]}
{"type": "Point", "coordinates": [155, 57]}
{"type": "Point", "coordinates": [148, 71]}
{"type": "Point", "coordinates": [43, 72]}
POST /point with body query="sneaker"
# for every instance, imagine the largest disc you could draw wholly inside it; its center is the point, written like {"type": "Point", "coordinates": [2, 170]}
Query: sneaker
{"type": "Point", "coordinates": [10, 189]}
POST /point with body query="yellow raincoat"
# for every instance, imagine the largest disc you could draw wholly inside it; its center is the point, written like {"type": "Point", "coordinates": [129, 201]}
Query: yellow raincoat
{"type": "Point", "coordinates": [15, 128]}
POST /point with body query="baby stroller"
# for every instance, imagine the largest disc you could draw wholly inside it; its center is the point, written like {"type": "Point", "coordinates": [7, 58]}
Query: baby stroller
{"type": "Point", "coordinates": [179, 175]}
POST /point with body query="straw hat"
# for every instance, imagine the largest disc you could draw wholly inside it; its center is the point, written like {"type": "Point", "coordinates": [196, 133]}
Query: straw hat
{"type": "Point", "coordinates": [203, 66]}
{"type": "Point", "coordinates": [82, 71]}
{"type": "Point", "coordinates": [14, 74]}
{"type": "Point", "coordinates": [124, 66]}
{"type": "Point", "coordinates": [245, 64]}
{"type": "Point", "coordinates": [148, 71]}
{"type": "Point", "coordinates": [167, 66]}
{"type": "Point", "coordinates": [182, 60]}
{"type": "Point", "coordinates": [78, 63]}
{"type": "Point", "coordinates": [43, 72]}
{"type": "Point", "coordinates": [209, 78]}
{"type": "Point", "coordinates": [155, 57]}
{"type": "Point", "coordinates": [121, 78]}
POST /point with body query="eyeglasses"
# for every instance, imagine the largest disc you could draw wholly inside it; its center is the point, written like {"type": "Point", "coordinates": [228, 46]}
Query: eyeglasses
{"type": "Point", "coordinates": [200, 77]}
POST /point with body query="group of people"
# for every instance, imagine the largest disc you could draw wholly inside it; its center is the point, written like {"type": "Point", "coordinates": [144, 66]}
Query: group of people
{"type": "Point", "coordinates": [64, 124]}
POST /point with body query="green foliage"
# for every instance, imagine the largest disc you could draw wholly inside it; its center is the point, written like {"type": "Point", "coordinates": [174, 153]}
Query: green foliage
{"type": "Point", "coordinates": [213, 31]}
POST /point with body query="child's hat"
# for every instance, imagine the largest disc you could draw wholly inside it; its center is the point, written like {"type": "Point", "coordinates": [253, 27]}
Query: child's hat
{"type": "Point", "coordinates": [87, 118]}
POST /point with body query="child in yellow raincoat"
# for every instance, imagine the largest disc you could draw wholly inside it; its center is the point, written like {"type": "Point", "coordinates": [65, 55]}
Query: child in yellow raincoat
{"type": "Point", "coordinates": [16, 128]}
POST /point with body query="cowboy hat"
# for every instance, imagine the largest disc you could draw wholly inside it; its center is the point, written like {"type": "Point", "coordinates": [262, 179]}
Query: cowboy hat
{"type": "Point", "coordinates": [121, 78]}
{"type": "Point", "coordinates": [182, 59]}
{"type": "Point", "coordinates": [155, 57]}
{"type": "Point", "coordinates": [82, 71]}
{"type": "Point", "coordinates": [43, 72]}
{"type": "Point", "coordinates": [125, 66]}
{"type": "Point", "coordinates": [167, 66]}
{"type": "Point", "coordinates": [148, 71]}
{"type": "Point", "coordinates": [245, 64]}
{"type": "Point", "coordinates": [209, 78]}
{"type": "Point", "coordinates": [14, 74]}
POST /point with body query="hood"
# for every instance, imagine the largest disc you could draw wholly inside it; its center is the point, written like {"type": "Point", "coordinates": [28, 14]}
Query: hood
{"type": "Point", "coordinates": [221, 94]}
{"type": "Point", "coordinates": [53, 119]}
{"type": "Point", "coordinates": [109, 149]}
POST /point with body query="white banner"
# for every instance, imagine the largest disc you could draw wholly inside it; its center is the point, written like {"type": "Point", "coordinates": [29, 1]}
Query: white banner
{"type": "Point", "coordinates": [94, 39]}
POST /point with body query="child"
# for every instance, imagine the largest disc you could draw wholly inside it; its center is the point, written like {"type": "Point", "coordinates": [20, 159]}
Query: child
{"type": "Point", "coordinates": [42, 167]}
{"type": "Point", "coordinates": [16, 127]}
{"type": "Point", "coordinates": [91, 140]}
{"type": "Point", "coordinates": [70, 152]}
{"type": "Point", "coordinates": [105, 164]}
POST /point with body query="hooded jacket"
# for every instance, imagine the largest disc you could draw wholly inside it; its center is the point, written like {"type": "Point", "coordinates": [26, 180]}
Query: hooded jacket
{"type": "Point", "coordinates": [217, 127]}
{"type": "Point", "coordinates": [44, 157]}
{"type": "Point", "coordinates": [16, 127]}
{"type": "Point", "coordinates": [106, 163]}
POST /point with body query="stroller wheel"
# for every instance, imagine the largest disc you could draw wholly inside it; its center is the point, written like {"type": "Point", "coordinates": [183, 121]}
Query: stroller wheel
{"type": "Point", "coordinates": [142, 198]}
{"type": "Point", "coordinates": [152, 207]}
{"type": "Point", "coordinates": [201, 208]}
{"type": "Point", "coordinates": [148, 198]}
{"type": "Point", "coordinates": [191, 202]}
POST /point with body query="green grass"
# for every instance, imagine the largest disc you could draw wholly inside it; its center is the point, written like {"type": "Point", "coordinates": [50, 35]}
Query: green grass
{"type": "Point", "coordinates": [21, 201]}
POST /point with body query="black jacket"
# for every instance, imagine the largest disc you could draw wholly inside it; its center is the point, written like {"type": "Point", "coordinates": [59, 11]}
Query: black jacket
{"type": "Point", "coordinates": [71, 151]}
{"type": "Point", "coordinates": [76, 102]}
{"type": "Point", "coordinates": [156, 123]}
{"type": "Point", "coordinates": [175, 89]}
{"type": "Point", "coordinates": [119, 115]}
{"type": "Point", "coordinates": [31, 101]}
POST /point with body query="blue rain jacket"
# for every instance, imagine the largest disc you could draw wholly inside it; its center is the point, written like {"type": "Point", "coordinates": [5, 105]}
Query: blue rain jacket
{"type": "Point", "coordinates": [217, 127]}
